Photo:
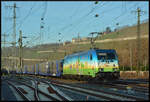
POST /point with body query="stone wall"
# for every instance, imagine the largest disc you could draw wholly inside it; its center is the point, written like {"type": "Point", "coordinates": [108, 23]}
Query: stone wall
{"type": "Point", "coordinates": [134, 75]}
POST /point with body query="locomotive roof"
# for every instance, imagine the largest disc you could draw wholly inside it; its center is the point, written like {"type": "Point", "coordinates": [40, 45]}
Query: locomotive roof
{"type": "Point", "coordinates": [105, 50]}
{"type": "Point", "coordinates": [91, 50]}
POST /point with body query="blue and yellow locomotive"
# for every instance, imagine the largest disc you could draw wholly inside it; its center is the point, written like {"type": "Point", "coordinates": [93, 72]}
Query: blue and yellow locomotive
{"type": "Point", "coordinates": [94, 63]}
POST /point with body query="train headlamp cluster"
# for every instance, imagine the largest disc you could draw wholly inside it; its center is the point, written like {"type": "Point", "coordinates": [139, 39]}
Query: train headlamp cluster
{"type": "Point", "coordinates": [115, 69]}
{"type": "Point", "coordinates": [114, 65]}
{"type": "Point", "coordinates": [101, 69]}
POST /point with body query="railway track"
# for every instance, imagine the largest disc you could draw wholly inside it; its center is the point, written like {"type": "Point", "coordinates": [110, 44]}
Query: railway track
{"type": "Point", "coordinates": [52, 89]}
{"type": "Point", "coordinates": [134, 84]}
{"type": "Point", "coordinates": [83, 91]}
{"type": "Point", "coordinates": [37, 93]}
{"type": "Point", "coordinates": [58, 93]}
{"type": "Point", "coordinates": [19, 91]}
{"type": "Point", "coordinates": [123, 86]}
{"type": "Point", "coordinates": [128, 86]}
{"type": "Point", "coordinates": [138, 81]}
{"type": "Point", "coordinates": [55, 88]}
{"type": "Point", "coordinates": [102, 91]}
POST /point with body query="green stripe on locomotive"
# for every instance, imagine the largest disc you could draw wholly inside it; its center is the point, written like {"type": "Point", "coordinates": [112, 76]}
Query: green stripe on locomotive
{"type": "Point", "coordinates": [85, 63]}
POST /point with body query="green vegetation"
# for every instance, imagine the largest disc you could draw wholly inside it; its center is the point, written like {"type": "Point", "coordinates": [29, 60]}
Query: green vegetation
{"type": "Point", "coordinates": [127, 32]}
{"type": "Point", "coordinates": [126, 49]}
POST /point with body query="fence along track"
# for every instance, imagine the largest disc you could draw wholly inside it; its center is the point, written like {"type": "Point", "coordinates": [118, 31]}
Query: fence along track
{"type": "Point", "coordinates": [18, 90]}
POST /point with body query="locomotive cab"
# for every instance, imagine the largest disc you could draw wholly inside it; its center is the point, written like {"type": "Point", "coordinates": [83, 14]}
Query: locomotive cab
{"type": "Point", "coordinates": [108, 66]}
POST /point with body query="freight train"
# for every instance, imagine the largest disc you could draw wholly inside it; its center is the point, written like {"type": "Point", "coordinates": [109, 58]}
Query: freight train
{"type": "Point", "coordinates": [91, 64]}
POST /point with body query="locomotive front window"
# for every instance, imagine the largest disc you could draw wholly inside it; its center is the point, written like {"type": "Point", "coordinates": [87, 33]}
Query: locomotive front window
{"type": "Point", "coordinates": [90, 56]}
{"type": "Point", "coordinates": [105, 56]}
{"type": "Point", "coordinates": [111, 55]}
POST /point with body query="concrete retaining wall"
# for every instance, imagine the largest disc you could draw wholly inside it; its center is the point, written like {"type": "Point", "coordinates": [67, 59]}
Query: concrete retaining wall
{"type": "Point", "coordinates": [134, 74]}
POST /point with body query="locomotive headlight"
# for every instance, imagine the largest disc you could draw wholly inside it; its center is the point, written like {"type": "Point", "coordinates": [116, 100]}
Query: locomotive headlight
{"type": "Point", "coordinates": [114, 65]}
{"type": "Point", "coordinates": [115, 69]}
{"type": "Point", "coordinates": [101, 69]}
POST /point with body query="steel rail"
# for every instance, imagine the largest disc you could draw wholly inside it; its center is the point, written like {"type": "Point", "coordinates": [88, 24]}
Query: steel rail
{"type": "Point", "coordinates": [57, 93]}
{"type": "Point", "coordinates": [89, 93]}
{"type": "Point", "coordinates": [117, 94]}
{"type": "Point", "coordinates": [36, 92]}
{"type": "Point", "coordinates": [18, 90]}
{"type": "Point", "coordinates": [114, 86]}
{"type": "Point", "coordinates": [48, 96]}
{"type": "Point", "coordinates": [99, 90]}
{"type": "Point", "coordinates": [124, 87]}
{"type": "Point", "coordinates": [133, 81]}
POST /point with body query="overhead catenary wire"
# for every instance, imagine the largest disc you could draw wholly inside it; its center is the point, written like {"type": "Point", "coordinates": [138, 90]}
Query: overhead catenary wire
{"type": "Point", "coordinates": [33, 39]}
{"type": "Point", "coordinates": [23, 20]}
{"type": "Point", "coordinates": [74, 24]}
{"type": "Point", "coordinates": [70, 25]}
{"type": "Point", "coordinates": [7, 16]}
{"type": "Point", "coordinates": [42, 23]}
{"type": "Point", "coordinates": [83, 18]}
{"type": "Point", "coordinates": [28, 14]}
{"type": "Point", "coordinates": [75, 12]}
{"type": "Point", "coordinates": [79, 20]}
{"type": "Point", "coordinates": [123, 13]}
{"type": "Point", "coordinates": [93, 17]}
{"type": "Point", "coordinates": [89, 21]}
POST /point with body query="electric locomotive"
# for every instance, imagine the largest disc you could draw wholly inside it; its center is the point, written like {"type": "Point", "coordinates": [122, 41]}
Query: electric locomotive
{"type": "Point", "coordinates": [94, 63]}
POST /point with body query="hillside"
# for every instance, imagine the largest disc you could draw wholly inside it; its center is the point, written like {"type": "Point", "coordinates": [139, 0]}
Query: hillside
{"type": "Point", "coordinates": [127, 32]}
{"type": "Point", "coordinates": [126, 49]}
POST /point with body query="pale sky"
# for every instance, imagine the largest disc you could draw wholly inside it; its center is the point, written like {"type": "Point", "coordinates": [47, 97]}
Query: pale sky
{"type": "Point", "coordinates": [68, 18]}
